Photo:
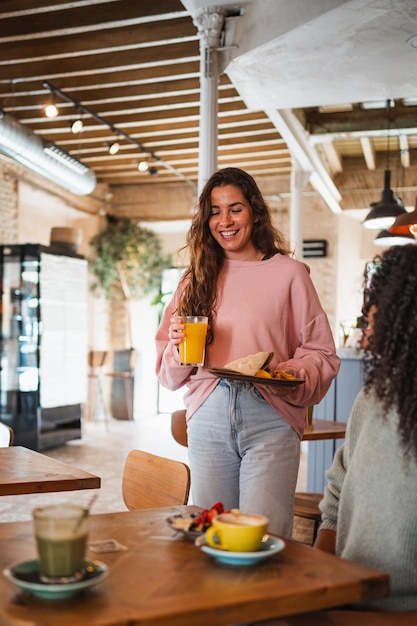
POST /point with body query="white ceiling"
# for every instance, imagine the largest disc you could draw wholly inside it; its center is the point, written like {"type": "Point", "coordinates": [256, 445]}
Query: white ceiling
{"type": "Point", "coordinates": [299, 53]}
{"type": "Point", "coordinates": [136, 65]}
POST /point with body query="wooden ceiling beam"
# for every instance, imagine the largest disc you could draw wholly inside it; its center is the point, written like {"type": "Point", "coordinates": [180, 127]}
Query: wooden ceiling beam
{"type": "Point", "coordinates": [368, 152]}
{"type": "Point", "coordinates": [77, 85]}
{"type": "Point", "coordinates": [98, 42]}
{"type": "Point", "coordinates": [126, 121]}
{"type": "Point", "coordinates": [404, 151]}
{"type": "Point", "coordinates": [331, 156]}
{"type": "Point", "coordinates": [96, 17]}
{"type": "Point", "coordinates": [101, 63]}
{"type": "Point", "coordinates": [113, 93]}
{"type": "Point", "coordinates": [360, 119]}
{"type": "Point", "coordinates": [132, 105]}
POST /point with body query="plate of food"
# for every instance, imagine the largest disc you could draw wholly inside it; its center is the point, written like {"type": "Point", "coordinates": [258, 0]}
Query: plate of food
{"type": "Point", "coordinates": [194, 525]}
{"type": "Point", "coordinates": [256, 369]}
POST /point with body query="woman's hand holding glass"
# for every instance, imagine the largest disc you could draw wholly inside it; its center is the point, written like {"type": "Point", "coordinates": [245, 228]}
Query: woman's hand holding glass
{"type": "Point", "coordinates": [176, 331]}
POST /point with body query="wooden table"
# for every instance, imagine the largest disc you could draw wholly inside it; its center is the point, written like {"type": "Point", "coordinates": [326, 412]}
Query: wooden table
{"type": "Point", "coordinates": [26, 471]}
{"type": "Point", "coordinates": [162, 580]}
{"type": "Point", "coordinates": [324, 429]}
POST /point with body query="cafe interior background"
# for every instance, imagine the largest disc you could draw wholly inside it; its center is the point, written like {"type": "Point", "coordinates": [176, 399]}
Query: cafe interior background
{"type": "Point", "coordinates": [317, 100]}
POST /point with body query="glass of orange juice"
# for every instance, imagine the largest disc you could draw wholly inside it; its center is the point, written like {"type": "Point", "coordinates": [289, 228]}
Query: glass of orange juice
{"type": "Point", "coordinates": [193, 346]}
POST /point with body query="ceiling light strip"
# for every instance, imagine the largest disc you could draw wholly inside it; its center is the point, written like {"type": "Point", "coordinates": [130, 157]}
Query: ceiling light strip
{"type": "Point", "coordinates": [117, 131]}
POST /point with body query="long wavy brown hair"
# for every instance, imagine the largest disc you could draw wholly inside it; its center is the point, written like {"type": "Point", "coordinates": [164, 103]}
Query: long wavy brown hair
{"type": "Point", "coordinates": [391, 355]}
{"type": "Point", "coordinates": [200, 280]}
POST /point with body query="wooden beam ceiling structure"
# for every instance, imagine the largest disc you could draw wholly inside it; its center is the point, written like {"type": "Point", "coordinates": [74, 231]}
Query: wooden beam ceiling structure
{"type": "Point", "coordinates": [136, 66]}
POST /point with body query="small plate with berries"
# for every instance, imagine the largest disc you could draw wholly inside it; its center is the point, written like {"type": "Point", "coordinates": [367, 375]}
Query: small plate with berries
{"type": "Point", "coordinates": [195, 524]}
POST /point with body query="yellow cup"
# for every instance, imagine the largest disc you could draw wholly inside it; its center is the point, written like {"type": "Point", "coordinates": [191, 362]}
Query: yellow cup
{"type": "Point", "coordinates": [193, 346]}
{"type": "Point", "coordinates": [237, 532]}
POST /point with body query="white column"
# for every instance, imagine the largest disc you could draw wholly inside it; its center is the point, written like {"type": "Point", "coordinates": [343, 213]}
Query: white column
{"type": "Point", "coordinates": [210, 23]}
{"type": "Point", "coordinates": [299, 179]}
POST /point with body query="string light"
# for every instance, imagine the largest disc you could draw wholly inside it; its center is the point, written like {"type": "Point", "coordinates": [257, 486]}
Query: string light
{"type": "Point", "coordinates": [143, 166]}
{"type": "Point", "coordinates": [77, 126]}
{"type": "Point", "coordinates": [51, 110]}
{"type": "Point", "coordinates": [116, 131]}
{"type": "Point", "coordinates": [114, 147]}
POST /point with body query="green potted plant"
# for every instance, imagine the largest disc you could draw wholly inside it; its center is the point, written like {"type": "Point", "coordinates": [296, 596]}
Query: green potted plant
{"type": "Point", "coordinates": [127, 263]}
{"type": "Point", "coordinates": [128, 260]}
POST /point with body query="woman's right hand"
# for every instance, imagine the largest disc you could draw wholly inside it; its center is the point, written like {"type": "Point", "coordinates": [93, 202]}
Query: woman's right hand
{"type": "Point", "coordinates": [176, 330]}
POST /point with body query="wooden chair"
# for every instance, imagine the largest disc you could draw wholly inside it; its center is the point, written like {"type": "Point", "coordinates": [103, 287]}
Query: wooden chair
{"type": "Point", "coordinates": [151, 481]}
{"type": "Point", "coordinates": [6, 435]}
{"type": "Point", "coordinates": [127, 376]}
{"type": "Point", "coordinates": [96, 362]}
{"type": "Point", "coordinates": [179, 427]}
{"type": "Point", "coordinates": [306, 505]}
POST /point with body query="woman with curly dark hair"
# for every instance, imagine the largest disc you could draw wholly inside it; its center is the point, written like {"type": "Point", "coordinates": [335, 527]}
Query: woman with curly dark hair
{"type": "Point", "coordinates": [369, 510]}
{"type": "Point", "coordinates": [244, 439]}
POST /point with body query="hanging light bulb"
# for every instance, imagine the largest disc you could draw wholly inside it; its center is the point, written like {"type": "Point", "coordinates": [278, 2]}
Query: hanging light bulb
{"type": "Point", "coordinates": [384, 212]}
{"type": "Point", "coordinates": [77, 126]}
{"type": "Point", "coordinates": [51, 110]}
{"type": "Point", "coordinates": [143, 166]}
{"type": "Point", "coordinates": [114, 147]}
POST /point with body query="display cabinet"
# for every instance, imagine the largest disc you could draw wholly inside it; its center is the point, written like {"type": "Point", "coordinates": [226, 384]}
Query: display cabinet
{"type": "Point", "coordinates": [44, 344]}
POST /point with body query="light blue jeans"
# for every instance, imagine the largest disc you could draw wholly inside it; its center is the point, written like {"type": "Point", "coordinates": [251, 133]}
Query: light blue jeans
{"type": "Point", "coordinates": [244, 454]}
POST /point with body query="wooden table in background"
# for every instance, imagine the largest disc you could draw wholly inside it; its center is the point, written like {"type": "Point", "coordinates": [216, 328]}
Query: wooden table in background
{"type": "Point", "coordinates": [163, 580]}
{"type": "Point", "coordinates": [25, 471]}
{"type": "Point", "coordinates": [324, 429]}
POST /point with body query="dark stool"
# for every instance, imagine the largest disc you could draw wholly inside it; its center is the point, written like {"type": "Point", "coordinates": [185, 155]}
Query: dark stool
{"type": "Point", "coordinates": [306, 505]}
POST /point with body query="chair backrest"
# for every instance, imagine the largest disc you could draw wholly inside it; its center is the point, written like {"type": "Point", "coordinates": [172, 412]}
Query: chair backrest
{"type": "Point", "coordinates": [179, 427]}
{"type": "Point", "coordinates": [151, 481]}
{"type": "Point", "coordinates": [6, 435]}
{"type": "Point", "coordinates": [125, 360]}
{"type": "Point", "coordinates": [97, 358]}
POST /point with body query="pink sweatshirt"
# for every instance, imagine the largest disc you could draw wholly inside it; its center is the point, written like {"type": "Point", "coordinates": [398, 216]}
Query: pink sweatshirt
{"type": "Point", "coordinates": [270, 306]}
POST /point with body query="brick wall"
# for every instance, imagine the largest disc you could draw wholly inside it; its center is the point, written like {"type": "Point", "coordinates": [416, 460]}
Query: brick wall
{"type": "Point", "coordinates": [9, 213]}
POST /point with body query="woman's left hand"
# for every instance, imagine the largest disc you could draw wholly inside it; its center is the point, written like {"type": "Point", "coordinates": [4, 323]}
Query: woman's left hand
{"type": "Point", "coordinates": [285, 391]}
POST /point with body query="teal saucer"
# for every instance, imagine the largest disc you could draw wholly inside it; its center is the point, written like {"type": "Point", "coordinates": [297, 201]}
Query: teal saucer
{"type": "Point", "coordinates": [26, 576]}
{"type": "Point", "coordinates": [268, 547]}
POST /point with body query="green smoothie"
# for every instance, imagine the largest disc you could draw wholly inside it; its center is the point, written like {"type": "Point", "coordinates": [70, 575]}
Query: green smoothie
{"type": "Point", "coordinates": [61, 533]}
{"type": "Point", "coordinates": [64, 557]}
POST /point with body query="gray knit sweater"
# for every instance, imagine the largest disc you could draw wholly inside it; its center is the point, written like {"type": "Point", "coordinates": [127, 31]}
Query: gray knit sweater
{"type": "Point", "coordinates": [371, 501]}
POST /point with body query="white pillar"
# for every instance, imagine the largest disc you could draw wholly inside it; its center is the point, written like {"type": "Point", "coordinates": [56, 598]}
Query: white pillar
{"type": "Point", "coordinates": [299, 179]}
{"type": "Point", "coordinates": [210, 23]}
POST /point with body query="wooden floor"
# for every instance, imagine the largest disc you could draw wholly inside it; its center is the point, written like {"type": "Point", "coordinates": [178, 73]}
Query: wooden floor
{"type": "Point", "coordinates": [102, 451]}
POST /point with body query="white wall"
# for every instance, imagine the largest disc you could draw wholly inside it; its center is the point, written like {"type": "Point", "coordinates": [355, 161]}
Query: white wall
{"type": "Point", "coordinates": [39, 211]}
{"type": "Point", "coordinates": [350, 268]}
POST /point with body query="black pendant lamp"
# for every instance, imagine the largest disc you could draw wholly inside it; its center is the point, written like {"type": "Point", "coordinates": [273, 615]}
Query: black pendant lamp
{"type": "Point", "coordinates": [406, 223]}
{"type": "Point", "coordinates": [384, 213]}
{"type": "Point", "coordinates": [387, 238]}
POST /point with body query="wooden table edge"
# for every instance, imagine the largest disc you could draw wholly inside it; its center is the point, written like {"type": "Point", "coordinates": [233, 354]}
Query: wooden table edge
{"type": "Point", "coordinates": [324, 429]}
{"type": "Point", "coordinates": [74, 484]}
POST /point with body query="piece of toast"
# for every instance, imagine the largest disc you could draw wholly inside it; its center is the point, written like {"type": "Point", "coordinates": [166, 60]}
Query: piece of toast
{"type": "Point", "coordinates": [249, 365]}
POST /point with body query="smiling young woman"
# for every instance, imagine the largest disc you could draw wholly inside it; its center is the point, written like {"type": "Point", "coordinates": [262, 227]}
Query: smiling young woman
{"type": "Point", "coordinates": [244, 438]}
{"type": "Point", "coordinates": [231, 223]}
